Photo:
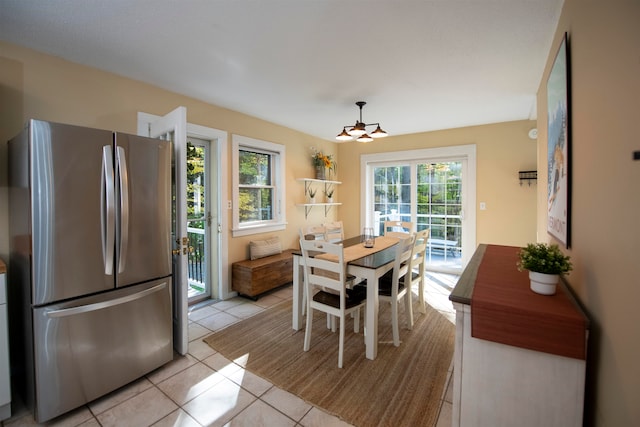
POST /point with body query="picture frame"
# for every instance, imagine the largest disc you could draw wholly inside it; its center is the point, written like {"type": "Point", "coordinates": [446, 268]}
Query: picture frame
{"type": "Point", "coordinates": [559, 146]}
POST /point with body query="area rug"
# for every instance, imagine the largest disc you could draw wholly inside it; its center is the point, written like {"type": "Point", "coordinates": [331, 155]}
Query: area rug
{"type": "Point", "coordinates": [402, 387]}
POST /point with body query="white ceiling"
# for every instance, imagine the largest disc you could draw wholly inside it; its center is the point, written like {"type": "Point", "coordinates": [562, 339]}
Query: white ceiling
{"type": "Point", "coordinates": [421, 65]}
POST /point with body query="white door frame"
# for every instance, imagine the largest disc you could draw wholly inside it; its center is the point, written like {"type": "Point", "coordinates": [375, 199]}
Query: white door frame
{"type": "Point", "coordinates": [219, 150]}
{"type": "Point", "coordinates": [468, 152]}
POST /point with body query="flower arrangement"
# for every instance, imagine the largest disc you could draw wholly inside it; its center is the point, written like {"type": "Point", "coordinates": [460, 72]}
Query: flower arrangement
{"type": "Point", "coordinates": [329, 193]}
{"type": "Point", "coordinates": [312, 192]}
{"type": "Point", "coordinates": [323, 160]}
{"type": "Point", "coordinates": [544, 258]}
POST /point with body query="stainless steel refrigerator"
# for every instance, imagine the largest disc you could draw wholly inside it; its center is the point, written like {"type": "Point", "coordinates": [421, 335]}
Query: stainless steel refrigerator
{"type": "Point", "coordinates": [90, 264]}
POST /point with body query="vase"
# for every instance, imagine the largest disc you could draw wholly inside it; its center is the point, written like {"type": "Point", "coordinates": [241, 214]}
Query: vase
{"type": "Point", "coordinates": [329, 199]}
{"type": "Point", "coordinates": [543, 284]}
{"type": "Point", "coordinates": [312, 200]}
{"type": "Point", "coordinates": [320, 172]}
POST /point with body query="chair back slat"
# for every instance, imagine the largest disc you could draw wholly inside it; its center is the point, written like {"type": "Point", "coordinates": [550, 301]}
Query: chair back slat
{"type": "Point", "coordinates": [402, 263]}
{"type": "Point", "coordinates": [333, 231]}
{"type": "Point", "coordinates": [312, 232]}
{"type": "Point", "coordinates": [398, 228]}
{"type": "Point", "coordinates": [323, 272]}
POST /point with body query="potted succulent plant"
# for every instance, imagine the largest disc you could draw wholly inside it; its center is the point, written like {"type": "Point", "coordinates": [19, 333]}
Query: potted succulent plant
{"type": "Point", "coordinates": [545, 263]}
{"type": "Point", "coordinates": [329, 194]}
{"type": "Point", "coordinates": [312, 195]}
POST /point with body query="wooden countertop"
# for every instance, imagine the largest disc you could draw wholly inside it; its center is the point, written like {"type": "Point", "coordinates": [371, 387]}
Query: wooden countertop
{"type": "Point", "coordinates": [464, 288]}
{"type": "Point", "coordinates": [505, 310]}
{"type": "Point", "coordinates": [3, 267]}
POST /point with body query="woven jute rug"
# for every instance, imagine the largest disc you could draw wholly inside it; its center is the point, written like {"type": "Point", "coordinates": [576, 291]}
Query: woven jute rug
{"type": "Point", "coordinates": [402, 387]}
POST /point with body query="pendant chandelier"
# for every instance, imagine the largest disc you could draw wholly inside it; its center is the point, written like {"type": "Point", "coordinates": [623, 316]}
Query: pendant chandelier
{"type": "Point", "coordinates": [359, 131]}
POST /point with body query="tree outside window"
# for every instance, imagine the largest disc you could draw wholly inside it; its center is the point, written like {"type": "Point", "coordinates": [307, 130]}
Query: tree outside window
{"type": "Point", "coordinates": [256, 186]}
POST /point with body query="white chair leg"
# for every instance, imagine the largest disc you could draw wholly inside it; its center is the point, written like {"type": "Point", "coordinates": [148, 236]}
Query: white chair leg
{"type": "Point", "coordinates": [394, 323]}
{"type": "Point", "coordinates": [421, 306]}
{"type": "Point", "coordinates": [356, 320]}
{"type": "Point", "coordinates": [307, 332]}
{"type": "Point", "coordinates": [341, 345]}
{"type": "Point", "coordinates": [304, 298]}
{"type": "Point", "coordinates": [408, 308]}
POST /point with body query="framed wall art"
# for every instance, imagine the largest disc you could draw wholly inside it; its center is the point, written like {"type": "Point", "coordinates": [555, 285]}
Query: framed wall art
{"type": "Point", "coordinates": [559, 147]}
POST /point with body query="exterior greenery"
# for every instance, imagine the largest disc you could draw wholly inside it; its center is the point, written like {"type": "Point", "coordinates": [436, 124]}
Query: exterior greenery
{"type": "Point", "coordinates": [256, 186]}
{"type": "Point", "coordinates": [195, 181]}
{"type": "Point", "coordinates": [195, 212]}
{"type": "Point", "coordinates": [544, 258]}
{"type": "Point", "coordinates": [438, 199]}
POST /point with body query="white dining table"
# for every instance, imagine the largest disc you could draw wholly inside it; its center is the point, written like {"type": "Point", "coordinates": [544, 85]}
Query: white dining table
{"type": "Point", "coordinates": [370, 267]}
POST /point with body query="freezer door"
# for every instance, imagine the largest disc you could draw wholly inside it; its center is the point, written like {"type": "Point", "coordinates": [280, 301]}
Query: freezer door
{"type": "Point", "coordinates": [143, 187]}
{"type": "Point", "coordinates": [67, 172]}
{"type": "Point", "coordinates": [91, 346]}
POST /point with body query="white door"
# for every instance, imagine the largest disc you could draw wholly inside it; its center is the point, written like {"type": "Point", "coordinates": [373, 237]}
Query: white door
{"type": "Point", "coordinates": [434, 188]}
{"type": "Point", "coordinates": [173, 127]}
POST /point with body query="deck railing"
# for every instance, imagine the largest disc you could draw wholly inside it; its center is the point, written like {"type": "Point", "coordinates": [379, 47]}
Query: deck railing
{"type": "Point", "coordinates": [197, 270]}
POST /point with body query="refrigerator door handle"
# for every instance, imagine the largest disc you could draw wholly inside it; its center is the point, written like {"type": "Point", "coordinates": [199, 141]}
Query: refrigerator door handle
{"type": "Point", "coordinates": [107, 213]}
{"type": "Point", "coordinates": [123, 183]}
{"type": "Point", "coordinates": [105, 304]}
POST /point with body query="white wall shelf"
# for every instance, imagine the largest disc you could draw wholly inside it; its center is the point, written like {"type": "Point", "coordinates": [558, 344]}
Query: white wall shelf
{"type": "Point", "coordinates": [310, 183]}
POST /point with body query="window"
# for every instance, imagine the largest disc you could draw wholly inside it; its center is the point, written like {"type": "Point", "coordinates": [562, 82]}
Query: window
{"type": "Point", "coordinates": [258, 186]}
{"type": "Point", "coordinates": [430, 187]}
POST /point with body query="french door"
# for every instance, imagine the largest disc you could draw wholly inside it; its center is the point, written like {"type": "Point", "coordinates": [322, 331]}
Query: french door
{"type": "Point", "coordinates": [173, 127]}
{"type": "Point", "coordinates": [435, 190]}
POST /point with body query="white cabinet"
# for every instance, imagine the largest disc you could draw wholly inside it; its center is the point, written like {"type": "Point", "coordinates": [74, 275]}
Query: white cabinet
{"type": "Point", "coordinates": [501, 385]}
{"type": "Point", "coordinates": [321, 187]}
{"type": "Point", "coordinates": [5, 388]}
{"type": "Point", "coordinates": [498, 384]}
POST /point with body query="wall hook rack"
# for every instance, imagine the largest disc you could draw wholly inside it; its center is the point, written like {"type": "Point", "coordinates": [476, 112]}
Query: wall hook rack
{"type": "Point", "coordinates": [528, 176]}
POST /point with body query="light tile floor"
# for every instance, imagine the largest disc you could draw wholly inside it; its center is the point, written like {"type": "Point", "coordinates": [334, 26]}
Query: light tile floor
{"type": "Point", "coordinates": [205, 389]}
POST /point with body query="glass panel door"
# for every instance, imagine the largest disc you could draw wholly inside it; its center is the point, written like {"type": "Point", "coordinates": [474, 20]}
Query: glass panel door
{"type": "Point", "coordinates": [429, 194]}
{"type": "Point", "coordinates": [439, 208]}
{"type": "Point", "coordinates": [198, 219]}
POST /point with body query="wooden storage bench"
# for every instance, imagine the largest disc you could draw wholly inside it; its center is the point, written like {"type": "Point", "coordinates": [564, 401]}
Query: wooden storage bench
{"type": "Point", "coordinates": [254, 277]}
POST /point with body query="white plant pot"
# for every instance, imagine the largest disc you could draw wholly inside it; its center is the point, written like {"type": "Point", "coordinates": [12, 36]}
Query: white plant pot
{"type": "Point", "coordinates": [329, 199]}
{"type": "Point", "coordinates": [544, 284]}
{"type": "Point", "coordinates": [312, 200]}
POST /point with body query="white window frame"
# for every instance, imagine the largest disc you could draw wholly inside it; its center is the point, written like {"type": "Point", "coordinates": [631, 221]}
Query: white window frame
{"type": "Point", "coordinates": [466, 153]}
{"type": "Point", "coordinates": [279, 222]}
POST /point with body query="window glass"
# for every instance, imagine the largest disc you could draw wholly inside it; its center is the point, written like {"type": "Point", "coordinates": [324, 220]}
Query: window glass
{"type": "Point", "coordinates": [256, 187]}
{"type": "Point", "coordinates": [258, 191]}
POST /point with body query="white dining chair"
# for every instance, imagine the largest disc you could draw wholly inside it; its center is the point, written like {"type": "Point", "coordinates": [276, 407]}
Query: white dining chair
{"type": "Point", "coordinates": [326, 288]}
{"type": "Point", "coordinates": [398, 229]}
{"type": "Point", "coordinates": [333, 231]}
{"type": "Point", "coordinates": [394, 286]}
{"type": "Point", "coordinates": [313, 232]}
{"type": "Point", "coordinates": [417, 267]}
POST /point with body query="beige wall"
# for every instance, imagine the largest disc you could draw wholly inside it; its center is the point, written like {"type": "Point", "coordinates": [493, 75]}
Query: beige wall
{"type": "Point", "coordinates": [502, 150]}
{"type": "Point", "coordinates": [604, 46]}
{"type": "Point", "coordinates": [39, 86]}
{"type": "Point", "coordinates": [35, 85]}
